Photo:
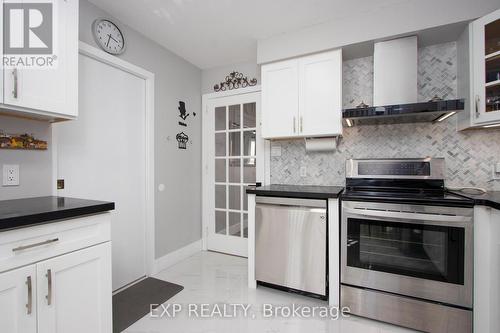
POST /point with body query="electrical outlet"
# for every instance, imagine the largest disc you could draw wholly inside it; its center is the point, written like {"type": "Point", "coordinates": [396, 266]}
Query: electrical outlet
{"type": "Point", "coordinates": [496, 171]}
{"type": "Point", "coordinates": [11, 175]}
{"type": "Point", "coordinates": [303, 171]}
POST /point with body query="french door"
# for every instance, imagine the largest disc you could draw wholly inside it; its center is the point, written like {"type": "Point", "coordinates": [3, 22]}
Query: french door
{"type": "Point", "coordinates": [233, 160]}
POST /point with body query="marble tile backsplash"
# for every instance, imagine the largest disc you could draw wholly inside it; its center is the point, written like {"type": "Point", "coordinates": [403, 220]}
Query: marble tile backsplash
{"type": "Point", "coordinates": [469, 155]}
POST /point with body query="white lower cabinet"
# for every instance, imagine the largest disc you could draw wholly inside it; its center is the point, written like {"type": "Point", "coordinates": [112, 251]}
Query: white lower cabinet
{"type": "Point", "coordinates": [60, 290]}
{"type": "Point", "coordinates": [18, 300]}
{"type": "Point", "coordinates": [486, 269]}
{"type": "Point", "coordinates": [74, 292]}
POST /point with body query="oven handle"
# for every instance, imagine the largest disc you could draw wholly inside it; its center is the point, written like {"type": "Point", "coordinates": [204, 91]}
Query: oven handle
{"type": "Point", "coordinates": [408, 216]}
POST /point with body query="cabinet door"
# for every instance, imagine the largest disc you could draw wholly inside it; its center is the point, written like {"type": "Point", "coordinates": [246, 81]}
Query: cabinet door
{"type": "Point", "coordinates": [50, 90]}
{"type": "Point", "coordinates": [74, 292]}
{"type": "Point", "coordinates": [280, 95]}
{"type": "Point", "coordinates": [1, 53]}
{"type": "Point", "coordinates": [18, 300]}
{"type": "Point", "coordinates": [486, 46]}
{"type": "Point", "coordinates": [320, 94]}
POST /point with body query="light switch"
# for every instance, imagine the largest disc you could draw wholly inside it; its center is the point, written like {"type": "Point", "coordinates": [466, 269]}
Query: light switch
{"type": "Point", "coordinates": [11, 175]}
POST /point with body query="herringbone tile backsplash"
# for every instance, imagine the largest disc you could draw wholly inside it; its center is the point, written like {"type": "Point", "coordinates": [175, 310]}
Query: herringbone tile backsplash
{"type": "Point", "coordinates": [469, 155]}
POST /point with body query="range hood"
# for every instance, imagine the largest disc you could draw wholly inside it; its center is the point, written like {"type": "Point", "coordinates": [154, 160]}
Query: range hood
{"type": "Point", "coordinates": [403, 113]}
{"type": "Point", "coordinates": [395, 89]}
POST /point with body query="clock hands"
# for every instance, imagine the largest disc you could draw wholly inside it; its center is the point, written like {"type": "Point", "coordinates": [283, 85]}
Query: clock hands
{"type": "Point", "coordinates": [109, 38]}
{"type": "Point", "coordinates": [112, 38]}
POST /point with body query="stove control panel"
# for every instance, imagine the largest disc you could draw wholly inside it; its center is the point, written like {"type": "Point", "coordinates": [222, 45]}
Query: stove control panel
{"type": "Point", "coordinates": [394, 168]}
{"type": "Point", "coordinates": [425, 168]}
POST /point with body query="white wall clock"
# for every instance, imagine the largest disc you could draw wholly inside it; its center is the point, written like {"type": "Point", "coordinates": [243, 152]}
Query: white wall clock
{"type": "Point", "coordinates": [108, 36]}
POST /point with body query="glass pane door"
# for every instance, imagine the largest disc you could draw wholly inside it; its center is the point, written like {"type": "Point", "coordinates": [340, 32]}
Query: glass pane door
{"type": "Point", "coordinates": [417, 250]}
{"type": "Point", "coordinates": [235, 166]}
{"type": "Point", "coordinates": [492, 60]}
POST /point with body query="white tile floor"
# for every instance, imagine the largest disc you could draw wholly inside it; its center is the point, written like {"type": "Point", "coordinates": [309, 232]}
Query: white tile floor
{"type": "Point", "coordinates": [215, 278]}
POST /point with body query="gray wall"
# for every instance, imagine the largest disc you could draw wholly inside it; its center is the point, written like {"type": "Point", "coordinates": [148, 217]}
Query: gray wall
{"type": "Point", "coordinates": [178, 208]}
{"type": "Point", "coordinates": [35, 167]}
{"type": "Point", "coordinates": [212, 76]}
{"type": "Point", "coordinates": [399, 17]}
{"type": "Point", "coordinates": [469, 155]}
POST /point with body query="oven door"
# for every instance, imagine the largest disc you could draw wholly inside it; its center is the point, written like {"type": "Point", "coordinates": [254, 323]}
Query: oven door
{"type": "Point", "coordinates": [412, 250]}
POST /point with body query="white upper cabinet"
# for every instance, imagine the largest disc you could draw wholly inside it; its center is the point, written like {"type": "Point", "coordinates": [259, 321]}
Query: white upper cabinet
{"type": "Point", "coordinates": [320, 101]}
{"type": "Point", "coordinates": [280, 99]}
{"type": "Point", "coordinates": [50, 93]}
{"type": "Point", "coordinates": [479, 72]}
{"type": "Point", "coordinates": [303, 97]}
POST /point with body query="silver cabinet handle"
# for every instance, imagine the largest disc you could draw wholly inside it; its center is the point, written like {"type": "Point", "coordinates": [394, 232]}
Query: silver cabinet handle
{"type": "Point", "coordinates": [301, 121]}
{"type": "Point", "coordinates": [29, 305]}
{"type": "Point", "coordinates": [49, 290]}
{"type": "Point", "coordinates": [478, 100]}
{"type": "Point", "coordinates": [14, 91]}
{"type": "Point", "coordinates": [294, 127]}
{"type": "Point", "coordinates": [25, 247]}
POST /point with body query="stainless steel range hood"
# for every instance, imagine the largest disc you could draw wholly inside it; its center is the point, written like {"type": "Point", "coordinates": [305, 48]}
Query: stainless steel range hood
{"type": "Point", "coordinates": [402, 113]}
{"type": "Point", "coordinates": [395, 89]}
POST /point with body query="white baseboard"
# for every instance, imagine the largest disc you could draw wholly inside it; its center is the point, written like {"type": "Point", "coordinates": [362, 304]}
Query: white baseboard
{"type": "Point", "coordinates": [173, 258]}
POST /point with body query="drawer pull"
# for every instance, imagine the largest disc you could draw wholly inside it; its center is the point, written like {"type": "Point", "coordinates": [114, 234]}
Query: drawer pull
{"type": "Point", "coordinates": [49, 286]}
{"type": "Point", "coordinates": [29, 305]}
{"type": "Point", "coordinates": [25, 247]}
{"type": "Point", "coordinates": [14, 91]}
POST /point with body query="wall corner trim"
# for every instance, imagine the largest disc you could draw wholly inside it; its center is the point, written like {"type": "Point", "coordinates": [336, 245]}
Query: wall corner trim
{"type": "Point", "coordinates": [176, 256]}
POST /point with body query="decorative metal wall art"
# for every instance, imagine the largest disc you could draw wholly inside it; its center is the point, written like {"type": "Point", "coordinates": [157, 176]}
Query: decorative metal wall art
{"type": "Point", "coordinates": [21, 141]}
{"type": "Point", "coordinates": [235, 80]}
{"type": "Point", "coordinates": [182, 109]}
{"type": "Point", "coordinates": [182, 140]}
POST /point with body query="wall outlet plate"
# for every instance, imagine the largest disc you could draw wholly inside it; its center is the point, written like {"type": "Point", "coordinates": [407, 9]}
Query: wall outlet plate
{"type": "Point", "coordinates": [303, 171]}
{"type": "Point", "coordinates": [10, 175]}
{"type": "Point", "coordinates": [275, 150]}
{"type": "Point", "coordinates": [496, 171]}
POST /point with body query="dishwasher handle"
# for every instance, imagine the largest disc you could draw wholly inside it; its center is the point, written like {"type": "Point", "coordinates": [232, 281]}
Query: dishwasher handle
{"type": "Point", "coordinates": [296, 202]}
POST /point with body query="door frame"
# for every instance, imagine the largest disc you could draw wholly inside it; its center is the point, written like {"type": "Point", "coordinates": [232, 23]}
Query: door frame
{"type": "Point", "coordinates": [206, 179]}
{"type": "Point", "coordinates": [149, 78]}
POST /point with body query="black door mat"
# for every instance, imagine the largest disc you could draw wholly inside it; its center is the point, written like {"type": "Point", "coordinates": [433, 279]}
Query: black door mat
{"type": "Point", "coordinates": [133, 303]}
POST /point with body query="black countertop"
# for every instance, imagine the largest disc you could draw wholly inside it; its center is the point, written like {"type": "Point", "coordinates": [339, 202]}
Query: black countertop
{"type": "Point", "coordinates": [297, 191]}
{"type": "Point", "coordinates": [26, 212]}
{"type": "Point", "coordinates": [437, 198]}
{"type": "Point", "coordinates": [490, 198]}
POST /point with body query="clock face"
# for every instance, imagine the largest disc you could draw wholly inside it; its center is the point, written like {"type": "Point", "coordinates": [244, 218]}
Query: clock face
{"type": "Point", "coordinates": [108, 36]}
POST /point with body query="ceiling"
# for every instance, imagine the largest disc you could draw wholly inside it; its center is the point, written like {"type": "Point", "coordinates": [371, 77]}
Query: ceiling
{"type": "Point", "coordinates": [211, 33]}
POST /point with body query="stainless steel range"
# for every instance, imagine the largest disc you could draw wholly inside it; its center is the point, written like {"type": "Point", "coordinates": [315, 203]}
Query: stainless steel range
{"type": "Point", "coordinates": [406, 245]}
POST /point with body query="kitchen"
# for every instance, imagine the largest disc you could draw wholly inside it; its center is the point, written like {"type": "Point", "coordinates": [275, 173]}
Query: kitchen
{"type": "Point", "coordinates": [178, 151]}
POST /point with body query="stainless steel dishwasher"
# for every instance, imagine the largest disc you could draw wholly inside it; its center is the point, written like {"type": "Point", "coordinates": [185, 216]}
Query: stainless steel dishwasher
{"type": "Point", "coordinates": [290, 243]}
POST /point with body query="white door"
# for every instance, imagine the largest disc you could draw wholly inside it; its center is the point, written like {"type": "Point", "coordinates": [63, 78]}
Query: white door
{"type": "Point", "coordinates": [18, 300]}
{"type": "Point", "coordinates": [102, 156]}
{"type": "Point", "coordinates": [234, 160]}
{"type": "Point", "coordinates": [280, 99]}
{"type": "Point", "coordinates": [74, 292]}
{"type": "Point", "coordinates": [52, 90]}
{"type": "Point", "coordinates": [486, 68]}
{"type": "Point", "coordinates": [320, 91]}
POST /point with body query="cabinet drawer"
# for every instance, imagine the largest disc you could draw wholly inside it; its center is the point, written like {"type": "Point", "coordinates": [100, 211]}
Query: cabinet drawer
{"type": "Point", "coordinates": [24, 246]}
